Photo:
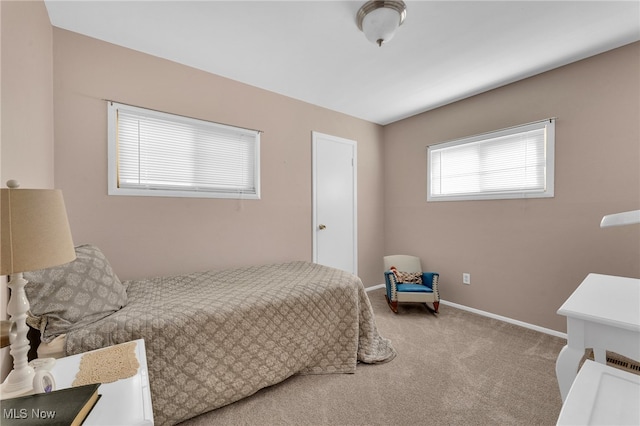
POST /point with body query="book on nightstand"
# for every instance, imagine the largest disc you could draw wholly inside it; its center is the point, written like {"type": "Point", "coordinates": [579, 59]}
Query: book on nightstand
{"type": "Point", "coordinates": [64, 407]}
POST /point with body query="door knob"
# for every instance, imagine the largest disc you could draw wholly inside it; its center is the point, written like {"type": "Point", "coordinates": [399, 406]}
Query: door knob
{"type": "Point", "coordinates": [322, 227]}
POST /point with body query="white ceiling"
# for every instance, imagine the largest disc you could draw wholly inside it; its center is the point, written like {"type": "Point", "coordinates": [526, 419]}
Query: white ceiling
{"type": "Point", "coordinates": [313, 51]}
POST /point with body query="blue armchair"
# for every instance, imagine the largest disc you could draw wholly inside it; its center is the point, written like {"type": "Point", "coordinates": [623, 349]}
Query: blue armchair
{"type": "Point", "coordinates": [399, 291]}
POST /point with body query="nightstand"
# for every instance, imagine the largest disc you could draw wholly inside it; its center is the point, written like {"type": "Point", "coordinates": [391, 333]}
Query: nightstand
{"type": "Point", "coordinates": [123, 402]}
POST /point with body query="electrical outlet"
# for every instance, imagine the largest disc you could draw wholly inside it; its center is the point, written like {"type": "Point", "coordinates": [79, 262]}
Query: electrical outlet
{"type": "Point", "coordinates": [466, 278]}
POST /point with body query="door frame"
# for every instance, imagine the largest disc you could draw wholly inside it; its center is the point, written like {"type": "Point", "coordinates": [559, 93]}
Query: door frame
{"type": "Point", "coordinates": [315, 136]}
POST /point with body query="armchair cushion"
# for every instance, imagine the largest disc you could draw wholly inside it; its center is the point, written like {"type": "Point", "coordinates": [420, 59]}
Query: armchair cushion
{"type": "Point", "coordinates": [413, 288]}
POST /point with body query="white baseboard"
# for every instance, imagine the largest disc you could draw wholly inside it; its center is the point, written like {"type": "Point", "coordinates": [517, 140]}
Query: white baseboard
{"type": "Point", "coordinates": [374, 287]}
{"type": "Point", "coordinates": [490, 315]}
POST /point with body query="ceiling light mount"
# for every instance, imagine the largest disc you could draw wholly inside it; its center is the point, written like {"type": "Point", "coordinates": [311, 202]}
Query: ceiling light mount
{"type": "Point", "coordinates": [379, 20]}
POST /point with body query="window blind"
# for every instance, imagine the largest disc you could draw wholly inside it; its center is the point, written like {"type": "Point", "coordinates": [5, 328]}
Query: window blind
{"type": "Point", "coordinates": [510, 163]}
{"type": "Point", "coordinates": [163, 152]}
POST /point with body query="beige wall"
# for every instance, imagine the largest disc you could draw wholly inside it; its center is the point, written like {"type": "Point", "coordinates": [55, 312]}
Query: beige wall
{"type": "Point", "coordinates": [26, 117]}
{"type": "Point", "coordinates": [525, 257]}
{"type": "Point", "coordinates": [27, 94]}
{"type": "Point", "coordinates": [150, 236]}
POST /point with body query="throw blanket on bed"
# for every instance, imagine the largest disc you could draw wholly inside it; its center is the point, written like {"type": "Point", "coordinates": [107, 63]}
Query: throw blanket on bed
{"type": "Point", "coordinates": [215, 337]}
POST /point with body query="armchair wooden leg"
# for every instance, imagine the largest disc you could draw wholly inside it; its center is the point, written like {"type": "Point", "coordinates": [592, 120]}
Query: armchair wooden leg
{"type": "Point", "coordinates": [435, 306]}
{"type": "Point", "coordinates": [392, 305]}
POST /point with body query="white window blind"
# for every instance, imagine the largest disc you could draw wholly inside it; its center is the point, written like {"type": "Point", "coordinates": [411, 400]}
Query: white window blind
{"type": "Point", "coordinates": [155, 153]}
{"type": "Point", "coordinates": [510, 163]}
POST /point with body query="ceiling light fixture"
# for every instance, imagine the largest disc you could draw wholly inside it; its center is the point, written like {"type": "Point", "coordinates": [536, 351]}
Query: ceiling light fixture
{"type": "Point", "coordinates": [379, 20]}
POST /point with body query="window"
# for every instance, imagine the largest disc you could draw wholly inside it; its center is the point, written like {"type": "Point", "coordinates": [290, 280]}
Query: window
{"type": "Point", "coordinates": [158, 154]}
{"type": "Point", "coordinates": [512, 163]}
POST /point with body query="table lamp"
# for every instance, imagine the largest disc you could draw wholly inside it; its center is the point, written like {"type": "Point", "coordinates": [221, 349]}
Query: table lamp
{"type": "Point", "coordinates": [35, 235]}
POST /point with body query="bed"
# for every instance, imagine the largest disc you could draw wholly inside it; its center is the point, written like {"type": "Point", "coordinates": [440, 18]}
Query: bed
{"type": "Point", "coordinates": [212, 337]}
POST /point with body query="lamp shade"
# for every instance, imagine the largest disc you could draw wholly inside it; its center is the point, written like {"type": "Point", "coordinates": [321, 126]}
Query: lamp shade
{"type": "Point", "coordinates": [35, 230]}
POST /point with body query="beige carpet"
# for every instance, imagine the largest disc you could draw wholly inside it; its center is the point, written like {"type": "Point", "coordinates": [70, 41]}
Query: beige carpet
{"type": "Point", "coordinates": [454, 368]}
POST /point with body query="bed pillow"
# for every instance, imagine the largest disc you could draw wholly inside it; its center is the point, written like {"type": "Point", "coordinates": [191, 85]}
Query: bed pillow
{"type": "Point", "coordinates": [406, 277]}
{"type": "Point", "coordinates": [74, 294]}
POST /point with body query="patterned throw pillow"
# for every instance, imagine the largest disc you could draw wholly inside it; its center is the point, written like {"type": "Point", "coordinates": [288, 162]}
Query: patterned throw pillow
{"type": "Point", "coordinates": [74, 294]}
{"type": "Point", "coordinates": [406, 277]}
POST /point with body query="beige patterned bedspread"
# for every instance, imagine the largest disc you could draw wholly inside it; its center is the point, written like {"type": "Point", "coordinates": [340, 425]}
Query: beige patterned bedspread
{"type": "Point", "coordinates": [215, 337]}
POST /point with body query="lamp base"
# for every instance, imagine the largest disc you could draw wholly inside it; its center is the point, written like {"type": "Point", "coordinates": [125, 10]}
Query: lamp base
{"type": "Point", "coordinates": [18, 383]}
{"type": "Point", "coordinates": [42, 381]}
{"type": "Point", "coordinates": [20, 380]}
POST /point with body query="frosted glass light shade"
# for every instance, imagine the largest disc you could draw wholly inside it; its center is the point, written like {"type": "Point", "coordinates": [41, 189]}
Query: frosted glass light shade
{"type": "Point", "coordinates": [380, 25]}
{"type": "Point", "coordinates": [379, 20]}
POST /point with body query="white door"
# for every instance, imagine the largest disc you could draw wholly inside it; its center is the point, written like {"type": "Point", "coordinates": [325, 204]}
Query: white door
{"type": "Point", "coordinates": [334, 202]}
